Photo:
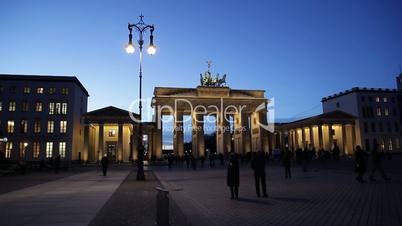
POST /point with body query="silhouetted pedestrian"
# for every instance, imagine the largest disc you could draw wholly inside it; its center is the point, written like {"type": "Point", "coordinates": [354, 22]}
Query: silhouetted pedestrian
{"type": "Point", "coordinates": [57, 164]}
{"type": "Point", "coordinates": [360, 163]}
{"type": "Point", "coordinates": [336, 152]}
{"type": "Point", "coordinates": [202, 159]}
{"type": "Point", "coordinates": [104, 163]}
{"type": "Point", "coordinates": [233, 179]}
{"type": "Point", "coordinates": [187, 159]}
{"type": "Point", "coordinates": [287, 157]}
{"type": "Point", "coordinates": [193, 161]}
{"type": "Point", "coordinates": [221, 158]}
{"type": "Point", "coordinates": [170, 160]}
{"type": "Point", "coordinates": [258, 165]}
{"type": "Point", "coordinates": [376, 158]}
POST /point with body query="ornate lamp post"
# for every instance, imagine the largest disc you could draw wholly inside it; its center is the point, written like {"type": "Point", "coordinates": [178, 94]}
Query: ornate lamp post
{"type": "Point", "coordinates": [141, 28]}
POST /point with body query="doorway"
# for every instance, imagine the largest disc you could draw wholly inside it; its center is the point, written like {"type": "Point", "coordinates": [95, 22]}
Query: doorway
{"type": "Point", "coordinates": [111, 151]}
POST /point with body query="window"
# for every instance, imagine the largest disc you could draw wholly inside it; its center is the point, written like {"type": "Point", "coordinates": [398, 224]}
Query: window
{"type": "Point", "coordinates": [63, 126]}
{"type": "Point", "coordinates": [1, 106]}
{"type": "Point", "coordinates": [35, 150]}
{"type": "Point", "coordinates": [38, 106]}
{"type": "Point", "coordinates": [392, 99]}
{"type": "Point", "coordinates": [396, 127]}
{"type": "Point", "coordinates": [52, 90]}
{"type": "Point", "coordinates": [58, 108]}
{"type": "Point", "coordinates": [373, 127]}
{"type": "Point", "coordinates": [9, 149]}
{"type": "Point", "coordinates": [11, 106]}
{"type": "Point", "coordinates": [378, 111]}
{"type": "Point", "coordinates": [64, 108]}
{"type": "Point", "coordinates": [370, 99]}
{"type": "Point", "coordinates": [62, 149]}
{"type": "Point", "coordinates": [24, 126]}
{"type": "Point", "coordinates": [49, 149]}
{"type": "Point", "coordinates": [25, 106]}
{"type": "Point", "coordinates": [112, 133]}
{"type": "Point", "coordinates": [386, 111]}
{"type": "Point", "coordinates": [385, 99]}
{"type": "Point", "coordinates": [362, 98]}
{"type": "Point", "coordinates": [380, 127]}
{"type": "Point", "coordinates": [377, 99]}
{"type": "Point", "coordinates": [365, 127]}
{"type": "Point", "coordinates": [27, 90]}
{"type": "Point", "coordinates": [51, 108]}
{"type": "Point", "coordinates": [390, 145]}
{"type": "Point", "coordinates": [367, 144]}
{"type": "Point", "coordinates": [23, 148]}
{"type": "Point", "coordinates": [64, 91]}
{"type": "Point", "coordinates": [10, 126]}
{"type": "Point", "coordinates": [13, 89]}
{"type": "Point", "coordinates": [39, 90]}
{"type": "Point", "coordinates": [50, 126]}
{"type": "Point", "coordinates": [389, 127]}
{"type": "Point", "coordinates": [37, 126]}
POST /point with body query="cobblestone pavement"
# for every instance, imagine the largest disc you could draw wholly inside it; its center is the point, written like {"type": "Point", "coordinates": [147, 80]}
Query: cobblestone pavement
{"type": "Point", "coordinates": [134, 203]}
{"type": "Point", "coordinates": [72, 200]}
{"type": "Point", "coordinates": [316, 197]}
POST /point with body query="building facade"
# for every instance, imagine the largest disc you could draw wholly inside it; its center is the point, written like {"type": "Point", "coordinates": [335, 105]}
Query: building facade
{"type": "Point", "coordinates": [40, 116]}
{"type": "Point", "coordinates": [377, 112]}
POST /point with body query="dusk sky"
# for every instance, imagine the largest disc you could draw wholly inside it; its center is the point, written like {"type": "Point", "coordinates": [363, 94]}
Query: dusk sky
{"type": "Point", "coordinates": [298, 51]}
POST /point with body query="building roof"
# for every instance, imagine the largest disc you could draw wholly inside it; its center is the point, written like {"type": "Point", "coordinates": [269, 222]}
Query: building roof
{"type": "Point", "coordinates": [44, 78]}
{"type": "Point", "coordinates": [359, 89]}
{"type": "Point", "coordinates": [110, 111]}
{"type": "Point", "coordinates": [333, 117]}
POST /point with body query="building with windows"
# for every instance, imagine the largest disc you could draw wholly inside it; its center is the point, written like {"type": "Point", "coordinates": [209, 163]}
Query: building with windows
{"type": "Point", "coordinates": [377, 111]}
{"type": "Point", "coordinates": [40, 116]}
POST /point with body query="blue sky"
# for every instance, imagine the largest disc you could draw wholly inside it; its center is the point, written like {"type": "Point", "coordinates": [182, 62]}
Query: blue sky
{"type": "Point", "coordinates": [298, 51]}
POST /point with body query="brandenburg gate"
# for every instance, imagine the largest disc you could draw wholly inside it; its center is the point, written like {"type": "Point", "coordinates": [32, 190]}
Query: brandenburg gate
{"type": "Point", "coordinates": [247, 109]}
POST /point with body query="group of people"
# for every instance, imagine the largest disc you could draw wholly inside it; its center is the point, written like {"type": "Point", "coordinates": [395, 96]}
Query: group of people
{"type": "Point", "coordinates": [361, 166]}
{"type": "Point", "coordinates": [233, 174]}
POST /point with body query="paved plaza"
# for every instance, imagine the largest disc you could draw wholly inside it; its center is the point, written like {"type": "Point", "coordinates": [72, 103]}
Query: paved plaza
{"type": "Point", "coordinates": [316, 197]}
{"type": "Point", "coordinates": [72, 200]}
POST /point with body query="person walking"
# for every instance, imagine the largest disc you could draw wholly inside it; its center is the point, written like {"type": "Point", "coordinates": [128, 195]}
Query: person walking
{"type": "Point", "coordinates": [286, 159]}
{"type": "Point", "coordinates": [376, 158]}
{"type": "Point", "coordinates": [233, 179]}
{"type": "Point", "coordinates": [104, 163]}
{"type": "Point", "coordinates": [360, 163]}
{"type": "Point", "coordinates": [336, 152]}
{"type": "Point", "coordinates": [258, 166]}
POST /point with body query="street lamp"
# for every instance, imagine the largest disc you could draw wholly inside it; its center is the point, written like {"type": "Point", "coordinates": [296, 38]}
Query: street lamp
{"type": "Point", "coordinates": [141, 28]}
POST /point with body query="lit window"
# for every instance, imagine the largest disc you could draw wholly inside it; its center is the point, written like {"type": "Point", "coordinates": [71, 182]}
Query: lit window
{"type": "Point", "coordinates": [64, 91]}
{"type": "Point", "coordinates": [58, 108]}
{"type": "Point", "coordinates": [64, 108]}
{"type": "Point", "coordinates": [25, 106]}
{"type": "Point", "coordinates": [24, 126]}
{"type": "Point", "coordinates": [390, 145]}
{"type": "Point", "coordinates": [1, 106]}
{"type": "Point", "coordinates": [49, 149]}
{"type": "Point", "coordinates": [27, 90]}
{"type": "Point", "coordinates": [9, 149]}
{"type": "Point", "coordinates": [11, 106]}
{"type": "Point", "coordinates": [385, 99]}
{"type": "Point", "coordinates": [39, 90]}
{"type": "Point", "coordinates": [10, 126]}
{"type": "Point", "coordinates": [38, 107]}
{"type": "Point", "coordinates": [52, 90]}
{"type": "Point", "coordinates": [378, 111]}
{"type": "Point", "coordinates": [377, 99]}
{"type": "Point", "coordinates": [62, 149]}
{"type": "Point", "coordinates": [386, 111]}
{"type": "Point", "coordinates": [50, 126]}
{"type": "Point", "coordinates": [23, 148]}
{"type": "Point", "coordinates": [35, 150]}
{"type": "Point", "coordinates": [51, 108]}
{"type": "Point", "coordinates": [112, 133]}
{"type": "Point", "coordinates": [63, 126]}
{"type": "Point", "coordinates": [37, 126]}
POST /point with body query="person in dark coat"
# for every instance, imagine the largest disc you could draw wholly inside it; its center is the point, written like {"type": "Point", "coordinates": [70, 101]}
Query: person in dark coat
{"type": "Point", "coordinates": [258, 165]}
{"type": "Point", "coordinates": [360, 163]}
{"type": "Point", "coordinates": [376, 158]}
{"type": "Point", "coordinates": [233, 179]}
{"type": "Point", "coordinates": [287, 156]}
{"type": "Point", "coordinates": [104, 163]}
{"type": "Point", "coordinates": [170, 160]}
{"type": "Point", "coordinates": [187, 159]}
{"type": "Point", "coordinates": [193, 161]}
{"type": "Point", "coordinates": [336, 152]}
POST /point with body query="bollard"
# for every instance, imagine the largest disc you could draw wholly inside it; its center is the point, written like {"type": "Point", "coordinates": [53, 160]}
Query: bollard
{"type": "Point", "coordinates": [162, 207]}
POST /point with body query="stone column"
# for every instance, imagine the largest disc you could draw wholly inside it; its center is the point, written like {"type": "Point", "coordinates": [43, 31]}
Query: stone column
{"type": "Point", "coordinates": [238, 134]}
{"type": "Point", "coordinates": [85, 153]}
{"type": "Point", "coordinates": [178, 139]}
{"type": "Point", "coordinates": [120, 143]}
{"type": "Point", "coordinates": [101, 149]}
{"type": "Point", "coordinates": [303, 137]}
{"type": "Point", "coordinates": [246, 132]}
{"type": "Point", "coordinates": [320, 139]}
{"type": "Point", "coordinates": [198, 145]}
{"type": "Point", "coordinates": [223, 141]}
{"type": "Point", "coordinates": [330, 137]}
{"type": "Point", "coordinates": [344, 145]}
{"type": "Point", "coordinates": [312, 141]}
{"type": "Point", "coordinates": [158, 135]}
{"type": "Point", "coordinates": [264, 132]}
